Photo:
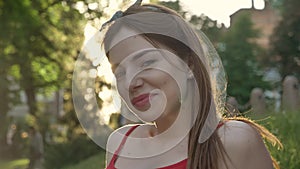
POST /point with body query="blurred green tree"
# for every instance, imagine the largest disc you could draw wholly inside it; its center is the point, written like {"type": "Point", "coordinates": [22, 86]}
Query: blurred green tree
{"type": "Point", "coordinates": [39, 42]}
{"type": "Point", "coordinates": [239, 51]}
{"type": "Point", "coordinates": [236, 48]}
{"type": "Point", "coordinates": [285, 41]}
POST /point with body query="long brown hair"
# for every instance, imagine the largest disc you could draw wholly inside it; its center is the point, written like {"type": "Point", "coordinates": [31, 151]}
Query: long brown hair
{"type": "Point", "coordinates": [200, 155]}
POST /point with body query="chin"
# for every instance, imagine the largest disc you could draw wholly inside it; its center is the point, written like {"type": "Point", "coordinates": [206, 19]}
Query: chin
{"type": "Point", "coordinates": [148, 118]}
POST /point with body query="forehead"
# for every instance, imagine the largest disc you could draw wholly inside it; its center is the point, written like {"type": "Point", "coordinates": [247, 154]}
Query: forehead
{"type": "Point", "coordinates": [126, 47]}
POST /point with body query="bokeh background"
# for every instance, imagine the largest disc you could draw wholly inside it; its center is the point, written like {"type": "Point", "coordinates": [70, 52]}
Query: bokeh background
{"type": "Point", "coordinates": [40, 41]}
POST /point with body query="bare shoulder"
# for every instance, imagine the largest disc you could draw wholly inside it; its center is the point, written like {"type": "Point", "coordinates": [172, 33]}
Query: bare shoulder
{"type": "Point", "coordinates": [238, 132]}
{"type": "Point", "coordinates": [244, 146]}
{"type": "Point", "coordinates": [238, 136]}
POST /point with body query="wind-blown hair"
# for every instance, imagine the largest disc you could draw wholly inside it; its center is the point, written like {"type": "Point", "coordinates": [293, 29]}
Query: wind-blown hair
{"type": "Point", "coordinates": [205, 149]}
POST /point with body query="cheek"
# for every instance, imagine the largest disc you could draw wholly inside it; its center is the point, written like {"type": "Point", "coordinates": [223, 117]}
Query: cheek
{"type": "Point", "coordinates": [170, 86]}
{"type": "Point", "coordinates": [122, 91]}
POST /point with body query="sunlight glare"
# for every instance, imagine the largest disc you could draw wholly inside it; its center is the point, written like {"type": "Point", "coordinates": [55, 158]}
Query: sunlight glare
{"type": "Point", "coordinates": [259, 4]}
{"type": "Point", "coordinates": [93, 6]}
{"type": "Point", "coordinates": [105, 94]}
{"type": "Point", "coordinates": [219, 10]}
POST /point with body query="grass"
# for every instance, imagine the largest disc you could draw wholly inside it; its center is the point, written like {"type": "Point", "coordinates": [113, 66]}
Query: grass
{"type": "Point", "coordinates": [15, 164]}
{"type": "Point", "coordinates": [286, 126]}
{"type": "Point", "coordinates": [94, 162]}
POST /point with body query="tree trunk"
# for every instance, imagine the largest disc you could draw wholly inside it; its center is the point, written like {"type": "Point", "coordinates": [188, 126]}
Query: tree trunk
{"type": "Point", "coordinates": [27, 83]}
{"type": "Point", "coordinates": [4, 99]}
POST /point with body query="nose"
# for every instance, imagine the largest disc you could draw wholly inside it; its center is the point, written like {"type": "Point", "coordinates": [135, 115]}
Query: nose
{"type": "Point", "coordinates": [135, 84]}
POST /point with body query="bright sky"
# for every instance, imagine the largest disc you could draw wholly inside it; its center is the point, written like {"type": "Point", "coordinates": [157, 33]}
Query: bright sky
{"type": "Point", "coordinates": [219, 10]}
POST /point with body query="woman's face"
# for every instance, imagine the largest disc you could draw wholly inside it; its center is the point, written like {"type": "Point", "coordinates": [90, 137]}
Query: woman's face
{"type": "Point", "coordinates": [149, 80]}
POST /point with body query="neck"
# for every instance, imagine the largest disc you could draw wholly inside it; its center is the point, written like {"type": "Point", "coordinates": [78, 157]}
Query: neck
{"type": "Point", "coordinates": [178, 122]}
{"type": "Point", "coordinates": [163, 124]}
{"type": "Point", "coordinates": [172, 127]}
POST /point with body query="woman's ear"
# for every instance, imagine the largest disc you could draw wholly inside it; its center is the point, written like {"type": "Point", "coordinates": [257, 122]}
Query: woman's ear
{"type": "Point", "coordinates": [189, 61]}
{"type": "Point", "coordinates": [190, 74]}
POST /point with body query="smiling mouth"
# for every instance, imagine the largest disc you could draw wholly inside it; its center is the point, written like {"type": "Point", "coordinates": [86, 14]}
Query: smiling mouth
{"type": "Point", "coordinates": [141, 100]}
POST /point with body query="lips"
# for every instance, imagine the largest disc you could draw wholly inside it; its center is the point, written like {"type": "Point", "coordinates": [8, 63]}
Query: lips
{"type": "Point", "coordinates": [141, 100]}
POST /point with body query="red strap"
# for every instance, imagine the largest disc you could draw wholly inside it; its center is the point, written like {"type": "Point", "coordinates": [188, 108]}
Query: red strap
{"type": "Point", "coordinates": [180, 164]}
{"type": "Point", "coordinates": [114, 158]}
{"type": "Point", "coordinates": [221, 123]}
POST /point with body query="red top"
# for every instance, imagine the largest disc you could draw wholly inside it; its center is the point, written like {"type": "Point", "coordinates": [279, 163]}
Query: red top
{"type": "Point", "coordinates": [180, 165]}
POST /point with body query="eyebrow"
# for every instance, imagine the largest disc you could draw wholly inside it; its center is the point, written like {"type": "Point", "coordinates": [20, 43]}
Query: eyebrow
{"type": "Point", "coordinates": [135, 56]}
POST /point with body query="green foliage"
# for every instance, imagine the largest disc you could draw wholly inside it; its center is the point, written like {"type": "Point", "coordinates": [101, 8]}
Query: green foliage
{"type": "Point", "coordinates": [276, 3]}
{"type": "Point", "coordinates": [287, 126]}
{"type": "Point", "coordinates": [63, 154]}
{"type": "Point", "coordinates": [284, 125]}
{"type": "Point", "coordinates": [94, 162]}
{"type": "Point", "coordinates": [208, 26]}
{"type": "Point", "coordinates": [15, 164]}
{"type": "Point", "coordinates": [175, 5]}
{"type": "Point", "coordinates": [39, 43]}
{"type": "Point", "coordinates": [285, 50]}
{"type": "Point", "coordinates": [239, 59]}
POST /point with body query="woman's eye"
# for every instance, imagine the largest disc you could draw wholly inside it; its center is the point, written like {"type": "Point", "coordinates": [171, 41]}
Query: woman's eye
{"type": "Point", "coordinates": [119, 74]}
{"type": "Point", "coordinates": [148, 62]}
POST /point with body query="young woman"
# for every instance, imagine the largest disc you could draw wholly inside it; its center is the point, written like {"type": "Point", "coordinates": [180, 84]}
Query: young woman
{"type": "Point", "coordinates": [172, 79]}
